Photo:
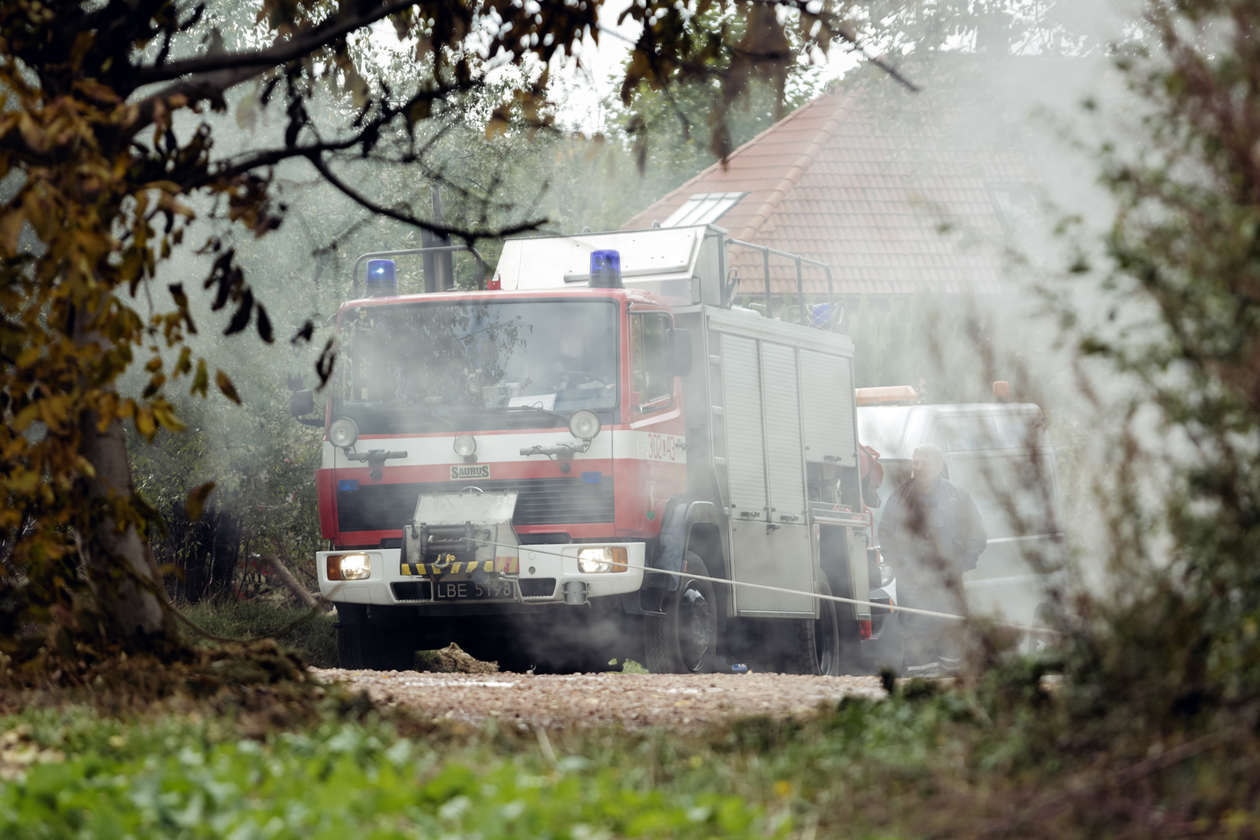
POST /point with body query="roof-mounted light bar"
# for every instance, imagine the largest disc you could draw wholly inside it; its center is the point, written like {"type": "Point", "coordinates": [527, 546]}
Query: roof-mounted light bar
{"type": "Point", "coordinates": [606, 269]}
{"type": "Point", "coordinates": [382, 278]}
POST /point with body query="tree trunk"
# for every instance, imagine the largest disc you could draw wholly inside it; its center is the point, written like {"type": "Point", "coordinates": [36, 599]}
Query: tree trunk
{"type": "Point", "coordinates": [120, 564]}
{"type": "Point", "coordinates": [291, 583]}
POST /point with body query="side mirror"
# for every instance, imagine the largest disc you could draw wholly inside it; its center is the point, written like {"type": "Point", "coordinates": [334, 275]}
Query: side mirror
{"type": "Point", "coordinates": [680, 351]}
{"type": "Point", "coordinates": [302, 403]}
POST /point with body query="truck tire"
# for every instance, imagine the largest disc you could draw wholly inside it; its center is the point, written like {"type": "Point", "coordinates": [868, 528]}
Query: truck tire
{"type": "Point", "coordinates": [365, 643]}
{"type": "Point", "coordinates": [829, 651]}
{"type": "Point", "coordinates": [813, 646]}
{"type": "Point", "coordinates": [683, 640]}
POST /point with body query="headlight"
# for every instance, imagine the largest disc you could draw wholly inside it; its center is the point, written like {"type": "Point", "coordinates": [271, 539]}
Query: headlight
{"type": "Point", "coordinates": [604, 559]}
{"type": "Point", "coordinates": [465, 446]}
{"type": "Point", "coordinates": [357, 566]}
{"type": "Point", "coordinates": [343, 432]}
{"type": "Point", "coordinates": [584, 425]}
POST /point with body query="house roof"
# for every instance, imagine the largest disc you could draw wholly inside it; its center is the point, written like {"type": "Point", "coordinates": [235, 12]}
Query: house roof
{"type": "Point", "coordinates": [892, 189]}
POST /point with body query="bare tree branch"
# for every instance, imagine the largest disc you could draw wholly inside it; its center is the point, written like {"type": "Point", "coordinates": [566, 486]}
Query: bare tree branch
{"type": "Point", "coordinates": [837, 29]}
{"type": "Point", "coordinates": [232, 168]}
{"type": "Point", "coordinates": [468, 236]}
{"type": "Point", "coordinates": [210, 86]}
{"type": "Point", "coordinates": [303, 43]}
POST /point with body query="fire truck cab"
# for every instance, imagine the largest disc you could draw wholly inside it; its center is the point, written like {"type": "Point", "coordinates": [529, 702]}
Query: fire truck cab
{"type": "Point", "coordinates": [595, 457]}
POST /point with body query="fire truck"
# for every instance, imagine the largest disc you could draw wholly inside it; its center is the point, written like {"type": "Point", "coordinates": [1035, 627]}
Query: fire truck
{"type": "Point", "coordinates": [596, 456]}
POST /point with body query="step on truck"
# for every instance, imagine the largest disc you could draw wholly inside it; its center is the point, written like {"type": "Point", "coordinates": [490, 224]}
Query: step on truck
{"type": "Point", "coordinates": [594, 457]}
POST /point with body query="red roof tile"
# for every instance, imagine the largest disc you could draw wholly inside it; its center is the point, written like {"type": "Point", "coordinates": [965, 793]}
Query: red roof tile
{"type": "Point", "coordinates": [844, 182]}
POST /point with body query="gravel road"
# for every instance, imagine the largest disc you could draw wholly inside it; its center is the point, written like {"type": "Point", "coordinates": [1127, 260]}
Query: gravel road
{"type": "Point", "coordinates": [631, 700]}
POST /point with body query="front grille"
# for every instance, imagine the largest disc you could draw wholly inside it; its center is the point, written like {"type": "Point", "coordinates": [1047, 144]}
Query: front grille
{"type": "Point", "coordinates": [541, 501]}
{"type": "Point", "coordinates": [413, 590]}
{"type": "Point", "coordinates": [537, 587]}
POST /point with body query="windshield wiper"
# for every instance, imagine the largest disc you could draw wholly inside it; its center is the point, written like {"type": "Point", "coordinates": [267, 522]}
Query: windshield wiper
{"type": "Point", "coordinates": [398, 406]}
{"type": "Point", "coordinates": [532, 409]}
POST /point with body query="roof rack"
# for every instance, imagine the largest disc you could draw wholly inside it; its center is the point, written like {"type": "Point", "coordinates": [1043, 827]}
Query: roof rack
{"type": "Point", "coordinates": [800, 261]}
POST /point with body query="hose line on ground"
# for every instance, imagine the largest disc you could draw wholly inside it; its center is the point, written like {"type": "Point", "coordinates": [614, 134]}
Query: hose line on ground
{"type": "Point", "coordinates": [765, 587]}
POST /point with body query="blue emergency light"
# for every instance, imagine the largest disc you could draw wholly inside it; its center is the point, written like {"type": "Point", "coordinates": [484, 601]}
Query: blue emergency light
{"type": "Point", "coordinates": [605, 270]}
{"type": "Point", "coordinates": [821, 314]}
{"type": "Point", "coordinates": [382, 278]}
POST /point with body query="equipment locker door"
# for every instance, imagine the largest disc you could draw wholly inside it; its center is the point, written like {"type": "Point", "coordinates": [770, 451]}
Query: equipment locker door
{"type": "Point", "coordinates": [745, 446]}
{"type": "Point", "coordinates": [827, 407]}
{"type": "Point", "coordinates": [770, 543]}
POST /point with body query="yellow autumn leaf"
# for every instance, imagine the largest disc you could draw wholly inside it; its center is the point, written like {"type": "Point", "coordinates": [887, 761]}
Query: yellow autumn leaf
{"type": "Point", "coordinates": [144, 422]}
{"type": "Point", "coordinates": [52, 410]}
{"type": "Point", "coordinates": [96, 90]}
{"type": "Point", "coordinates": [225, 385]}
{"type": "Point", "coordinates": [165, 415]}
{"type": "Point", "coordinates": [10, 232]}
{"type": "Point", "coordinates": [33, 135]}
{"type": "Point", "coordinates": [23, 482]}
{"type": "Point", "coordinates": [200, 379]}
{"type": "Point", "coordinates": [24, 418]}
{"type": "Point", "coordinates": [29, 356]}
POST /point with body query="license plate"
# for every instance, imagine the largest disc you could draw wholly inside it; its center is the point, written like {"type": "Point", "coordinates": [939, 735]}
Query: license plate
{"type": "Point", "coordinates": [486, 589]}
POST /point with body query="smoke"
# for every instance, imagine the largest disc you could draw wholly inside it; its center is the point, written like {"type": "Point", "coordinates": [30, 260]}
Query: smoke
{"type": "Point", "coordinates": [1013, 124]}
{"type": "Point", "coordinates": [1001, 154]}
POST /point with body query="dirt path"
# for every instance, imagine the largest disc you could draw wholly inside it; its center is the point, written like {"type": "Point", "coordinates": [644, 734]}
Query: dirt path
{"type": "Point", "coordinates": [632, 700]}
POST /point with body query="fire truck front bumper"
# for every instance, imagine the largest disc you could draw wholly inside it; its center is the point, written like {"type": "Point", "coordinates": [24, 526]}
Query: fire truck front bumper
{"type": "Point", "coordinates": [567, 573]}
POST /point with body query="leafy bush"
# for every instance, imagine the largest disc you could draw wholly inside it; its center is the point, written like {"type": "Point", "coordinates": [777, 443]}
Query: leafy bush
{"type": "Point", "coordinates": [309, 633]}
{"type": "Point", "coordinates": [925, 762]}
{"type": "Point", "coordinates": [179, 778]}
{"type": "Point", "coordinates": [1173, 648]}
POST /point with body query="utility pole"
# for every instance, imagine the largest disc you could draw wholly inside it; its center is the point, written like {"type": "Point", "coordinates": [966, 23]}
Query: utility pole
{"type": "Point", "coordinates": [439, 273]}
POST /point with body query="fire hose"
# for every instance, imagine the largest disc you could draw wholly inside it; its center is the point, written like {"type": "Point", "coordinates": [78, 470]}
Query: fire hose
{"type": "Point", "coordinates": [765, 587]}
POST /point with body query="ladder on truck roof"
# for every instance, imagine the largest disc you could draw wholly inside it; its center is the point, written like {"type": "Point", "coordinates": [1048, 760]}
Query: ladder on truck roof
{"type": "Point", "coordinates": [800, 262]}
{"type": "Point", "coordinates": [688, 265]}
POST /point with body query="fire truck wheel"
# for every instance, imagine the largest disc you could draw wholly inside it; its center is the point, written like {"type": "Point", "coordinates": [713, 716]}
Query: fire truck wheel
{"type": "Point", "coordinates": [828, 659]}
{"type": "Point", "coordinates": [810, 646]}
{"type": "Point", "coordinates": [684, 639]}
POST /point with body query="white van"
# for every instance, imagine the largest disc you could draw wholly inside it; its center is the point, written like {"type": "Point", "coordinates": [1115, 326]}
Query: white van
{"type": "Point", "coordinates": [999, 453]}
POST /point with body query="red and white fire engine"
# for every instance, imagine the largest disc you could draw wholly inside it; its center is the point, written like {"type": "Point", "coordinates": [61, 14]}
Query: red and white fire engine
{"type": "Point", "coordinates": [547, 470]}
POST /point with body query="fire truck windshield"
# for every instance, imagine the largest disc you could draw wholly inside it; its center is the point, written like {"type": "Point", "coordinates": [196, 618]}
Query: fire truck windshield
{"type": "Point", "coordinates": [446, 365]}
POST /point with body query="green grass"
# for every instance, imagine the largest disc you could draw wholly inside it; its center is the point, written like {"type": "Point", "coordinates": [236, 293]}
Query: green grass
{"type": "Point", "coordinates": [310, 633]}
{"type": "Point", "coordinates": [999, 757]}
{"type": "Point", "coordinates": [920, 764]}
{"type": "Point", "coordinates": [861, 769]}
{"type": "Point", "coordinates": [195, 779]}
